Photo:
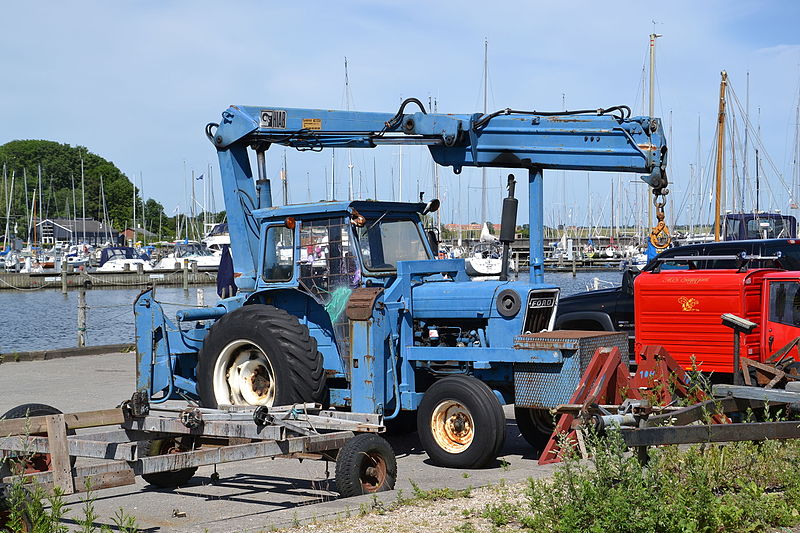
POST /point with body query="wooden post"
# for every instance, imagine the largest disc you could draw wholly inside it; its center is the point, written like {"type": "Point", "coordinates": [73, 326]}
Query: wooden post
{"type": "Point", "coordinates": [82, 316]}
{"type": "Point", "coordinates": [186, 275]}
{"type": "Point", "coordinates": [64, 272]}
{"type": "Point", "coordinates": [139, 268]}
{"type": "Point", "coordinates": [59, 453]}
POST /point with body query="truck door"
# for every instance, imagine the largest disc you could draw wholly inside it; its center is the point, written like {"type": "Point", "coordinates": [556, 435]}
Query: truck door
{"type": "Point", "coordinates": [783, 315]}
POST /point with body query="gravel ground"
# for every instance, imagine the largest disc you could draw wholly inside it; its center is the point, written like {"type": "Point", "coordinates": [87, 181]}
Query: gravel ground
{"type": "Point", "coordinates": [426, 515]}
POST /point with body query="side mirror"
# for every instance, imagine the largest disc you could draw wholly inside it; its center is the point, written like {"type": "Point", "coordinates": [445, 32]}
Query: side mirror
{"type": "Point", "coordinates": [433, 240]}
{"type": "Point", "coordinates": [431, 206]}
{"type": "Point", "coordinates": [628, 276]}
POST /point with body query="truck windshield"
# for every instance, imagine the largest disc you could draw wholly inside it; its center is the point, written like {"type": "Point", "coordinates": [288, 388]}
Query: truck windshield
{"type": "Point", "coordinates": [385, 242]}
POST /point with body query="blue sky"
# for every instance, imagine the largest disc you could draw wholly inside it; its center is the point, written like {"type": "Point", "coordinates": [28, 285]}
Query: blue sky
{"type": "Point", "coordinates": [137, 81]}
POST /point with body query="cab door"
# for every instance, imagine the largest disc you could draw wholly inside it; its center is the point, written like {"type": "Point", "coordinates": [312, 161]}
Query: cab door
{"type": "Point", "coordinates": [782, 312]}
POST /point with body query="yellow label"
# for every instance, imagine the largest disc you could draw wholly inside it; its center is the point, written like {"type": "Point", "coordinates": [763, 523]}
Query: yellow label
{"type": "Point", "coordinates": [689, 304]}
{"type": "Point", "coordinates": [312, 123]}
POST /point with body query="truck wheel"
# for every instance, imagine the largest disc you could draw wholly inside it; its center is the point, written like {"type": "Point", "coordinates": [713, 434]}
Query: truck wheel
{"type": "Point", "coordinates": [13, 463]}
{"type": "Point", "coordinates": [535, 425]}
{"type": "Point", "coordinates": [364, 465]}
{"type": "Point", "coordinates": [259, 355]}
{"type": "Point", "coordinates": [460, 423]}
{"type": "Point", "coordinates": [171, 478]}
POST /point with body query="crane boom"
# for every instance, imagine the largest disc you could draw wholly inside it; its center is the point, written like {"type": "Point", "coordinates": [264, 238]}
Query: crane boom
{"type": "Point", "coordinates": [607, 140]}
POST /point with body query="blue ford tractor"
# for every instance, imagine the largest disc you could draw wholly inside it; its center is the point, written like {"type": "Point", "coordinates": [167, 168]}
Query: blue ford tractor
{"type": "Point", "coordinates": [344, 303]}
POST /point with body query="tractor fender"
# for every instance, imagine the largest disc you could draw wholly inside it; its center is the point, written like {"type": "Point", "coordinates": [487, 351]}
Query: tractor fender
{"type": "Point", "coordinates": [602, 319]}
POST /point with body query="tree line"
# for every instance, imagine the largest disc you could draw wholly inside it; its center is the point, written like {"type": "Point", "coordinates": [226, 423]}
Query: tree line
{"type": "Point", "coordinates": [72, 181]}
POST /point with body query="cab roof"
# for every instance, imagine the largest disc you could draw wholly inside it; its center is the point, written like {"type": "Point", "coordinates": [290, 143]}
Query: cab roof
{"type": "Point", "coordinates": [336, 207]}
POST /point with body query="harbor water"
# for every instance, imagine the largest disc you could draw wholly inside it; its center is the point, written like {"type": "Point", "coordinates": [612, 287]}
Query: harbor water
{"type": "Point", "coordinates": [46, 319]}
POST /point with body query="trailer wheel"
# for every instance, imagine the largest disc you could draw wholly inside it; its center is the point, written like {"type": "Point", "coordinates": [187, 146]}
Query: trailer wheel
{"type": "Point", "coordinates": [365, 464]}
{"type": "Point", "coordinates": [535, 426]}
{"type": "Point", "coordinates": [14, 521]}
{"type": "Point", "coordinates": [461, 423]}
{"type": "Point", "coordinates": [171, 478]}
{"type": "Point", "coordinates": [259, 355]}
{"type": "Point", "coordinates": [13, 463]}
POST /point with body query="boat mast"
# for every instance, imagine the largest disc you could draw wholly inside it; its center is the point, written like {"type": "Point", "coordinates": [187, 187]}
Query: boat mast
{"type": "Point", "coordinates": [349, 150]}
{"type": "Point", "coordinates": [484, 214]}
{"type": "Point", "coordinates": [83, 201]}
{"type": "Point", "coordinates": [720, 153]}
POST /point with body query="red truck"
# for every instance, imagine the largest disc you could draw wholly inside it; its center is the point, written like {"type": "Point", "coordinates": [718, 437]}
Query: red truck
{"type": "Point", "coordinates": [681, 309]}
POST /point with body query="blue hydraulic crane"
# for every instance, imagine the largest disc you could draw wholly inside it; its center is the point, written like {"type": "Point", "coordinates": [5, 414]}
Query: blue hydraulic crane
{"type": "Point", "coordinates": [343, 302]}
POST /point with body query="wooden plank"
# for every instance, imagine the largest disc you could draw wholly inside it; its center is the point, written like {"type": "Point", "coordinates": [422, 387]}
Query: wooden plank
{"type": "Point", "coordinates": [106, 480]}
{"type": "Point", "coordinates": [59, 453]}
{"type": "Point", "coordinates": [38, 424]}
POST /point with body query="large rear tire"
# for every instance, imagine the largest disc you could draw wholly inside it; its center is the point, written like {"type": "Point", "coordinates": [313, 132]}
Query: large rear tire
{"type": "Point", "coordinates": [461, 423]}
{"type": "Point", "coordinates": [259, 355]}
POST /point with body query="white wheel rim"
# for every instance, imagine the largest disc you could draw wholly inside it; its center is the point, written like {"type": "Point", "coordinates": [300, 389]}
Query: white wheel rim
{"type": "Point", "coordinates": [452, 426]}
{"type": "Point", "coordinates": [243, 375]}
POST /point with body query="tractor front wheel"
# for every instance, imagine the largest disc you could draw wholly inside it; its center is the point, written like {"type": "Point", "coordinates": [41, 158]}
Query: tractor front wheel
{"type": "Point", "coordinates": [461, 423]}
{"type": "Point", "coordinates": [259, 355]}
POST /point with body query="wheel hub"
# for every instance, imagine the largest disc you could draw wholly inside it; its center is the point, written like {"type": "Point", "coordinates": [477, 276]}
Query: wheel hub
{"type": "Point", "coordinates": [452, 426]}
{"type": "Point", "coordinates": [243, 375]}
{"type": "Point", "coordinates": [373, 472]}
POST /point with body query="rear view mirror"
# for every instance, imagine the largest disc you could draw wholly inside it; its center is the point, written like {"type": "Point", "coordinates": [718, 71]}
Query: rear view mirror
{"type": "Point", "coordinates": [433, 240]}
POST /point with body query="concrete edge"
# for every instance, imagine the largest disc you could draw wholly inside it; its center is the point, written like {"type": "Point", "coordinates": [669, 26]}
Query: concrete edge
{"type": "Point", "coordinates": [60, 353]}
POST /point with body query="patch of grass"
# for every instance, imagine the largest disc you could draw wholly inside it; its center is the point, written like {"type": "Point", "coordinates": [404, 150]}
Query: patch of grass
{"type": "Point", "coordinates": [500, 514]}
{"type": "Point", "coordinates": [445, 493]}
{"type": "Point", "coordinates": [735, 487]}
{"type": "Point", "coordinates": [466, 527]}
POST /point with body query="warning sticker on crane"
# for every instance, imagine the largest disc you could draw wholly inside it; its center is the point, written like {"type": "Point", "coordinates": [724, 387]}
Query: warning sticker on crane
{"type": "Point", "coordinates": [273, 118]}
{"type": "Point", "coordinates": [312, 123]}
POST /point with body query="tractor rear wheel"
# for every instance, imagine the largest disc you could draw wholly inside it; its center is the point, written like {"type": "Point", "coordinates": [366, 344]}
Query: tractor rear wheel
{"type": "Point", "coordinates": [259, 355]}
{"type": "Point", "coordinates": [461, 423]}
{"type": "Point", "coordinates": [535, 426]}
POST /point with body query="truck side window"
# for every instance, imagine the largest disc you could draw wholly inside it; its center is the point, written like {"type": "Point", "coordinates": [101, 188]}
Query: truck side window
{"type": "Point", "coordinates": [785, 302]}
{"type": "Point", "coordinates": [279, 254]}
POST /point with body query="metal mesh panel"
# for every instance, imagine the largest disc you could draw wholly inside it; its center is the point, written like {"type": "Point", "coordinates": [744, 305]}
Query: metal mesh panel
{"type": "Point", "coordinates": [546, 385]}
{"type": "Point", "coordinates": [329, 271]}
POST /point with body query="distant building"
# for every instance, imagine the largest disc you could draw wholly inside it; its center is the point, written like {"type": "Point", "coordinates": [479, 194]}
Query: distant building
{"type": "Point", "coordinates": [52, 231]}
{"type": "Point", "coordinates": [138, 234]}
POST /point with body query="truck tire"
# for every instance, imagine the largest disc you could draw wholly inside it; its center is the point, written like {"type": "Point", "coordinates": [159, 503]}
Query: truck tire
{"type": "Point", "coordinates": [259, 355]}
{"type": "Point", "coordinates": [535, 426]}
{"type": "Point", "coordinates": [11, 462]}
{"type": "Point", "coordinates": [170, 478]}
{"type": "Point", "coordinates": [461, 423]}
{"type": "Point", "coordinates": [364, 465]}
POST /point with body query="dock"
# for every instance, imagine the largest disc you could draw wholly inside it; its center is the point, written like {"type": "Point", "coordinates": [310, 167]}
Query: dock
{"type": "Point", "coordinates": [68, 280]}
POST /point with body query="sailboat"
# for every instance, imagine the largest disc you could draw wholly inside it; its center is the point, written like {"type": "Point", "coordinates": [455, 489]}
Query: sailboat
{"type": "Point", "coordinates": [486, 257]}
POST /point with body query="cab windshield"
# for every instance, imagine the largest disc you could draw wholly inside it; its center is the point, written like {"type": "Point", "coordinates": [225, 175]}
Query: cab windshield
{"type": "Point", "coordinates": [384, 242]}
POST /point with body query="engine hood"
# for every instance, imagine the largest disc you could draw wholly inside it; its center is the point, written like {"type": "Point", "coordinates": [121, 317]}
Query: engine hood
{"type": "Point", "coordinates": [469, 299]}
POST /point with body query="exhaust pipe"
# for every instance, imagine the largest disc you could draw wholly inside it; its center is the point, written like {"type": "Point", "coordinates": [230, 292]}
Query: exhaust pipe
{"type": "Point", "coordinates": [508, 225]}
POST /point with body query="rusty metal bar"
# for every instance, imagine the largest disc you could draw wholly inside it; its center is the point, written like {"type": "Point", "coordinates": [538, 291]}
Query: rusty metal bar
{"type": "Point", "coordinates": [756, 431]}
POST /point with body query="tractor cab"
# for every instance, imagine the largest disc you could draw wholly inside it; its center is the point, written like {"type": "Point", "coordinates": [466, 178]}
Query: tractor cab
{"type": "Point", "coordinates": [331, 248]}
